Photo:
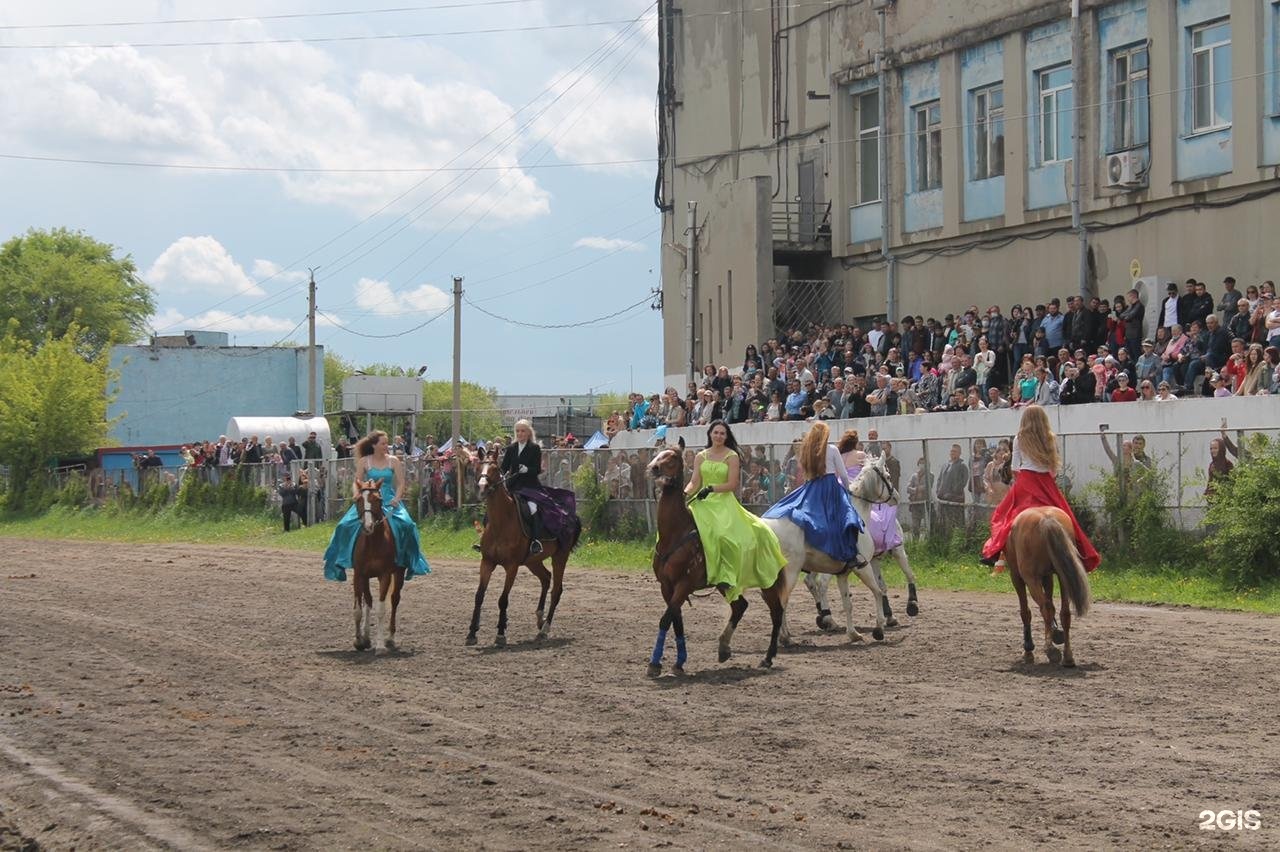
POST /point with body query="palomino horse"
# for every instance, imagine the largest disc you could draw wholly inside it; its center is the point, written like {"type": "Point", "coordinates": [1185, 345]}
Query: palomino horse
{"type": "Point", "coordinates": [801, 557]}
{"type": "Point", "coordinates": [375, 556]}
{"type": "Point", "coordinates": [681, 567]}
{"type": "Point", "coordinates": [872, 488]}
{"type": "Point", "coordinates": [1041, 544]}
{"type": "Point", "coordinates": [505, 543]}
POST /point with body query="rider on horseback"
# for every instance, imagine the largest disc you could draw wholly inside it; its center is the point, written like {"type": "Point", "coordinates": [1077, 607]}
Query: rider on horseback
{"type": "Point", "coordinates": [821, 506]}
{"type": "Point", "coordinates": [546, 512]}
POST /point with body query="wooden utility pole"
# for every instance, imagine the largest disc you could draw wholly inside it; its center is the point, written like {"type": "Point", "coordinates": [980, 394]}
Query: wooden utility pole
{"type": "Point", "coordinates": [311, 345]}
{"type": "Point", "coordinates": [457, 385]}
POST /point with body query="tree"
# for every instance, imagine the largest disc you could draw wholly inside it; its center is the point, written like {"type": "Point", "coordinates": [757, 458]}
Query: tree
{"type": "Point", "coordinates": [52, 403]}
{"type": "Point", "coordinates": [51, 280]}
{"type": "Point", "coordinates": [607, 403]}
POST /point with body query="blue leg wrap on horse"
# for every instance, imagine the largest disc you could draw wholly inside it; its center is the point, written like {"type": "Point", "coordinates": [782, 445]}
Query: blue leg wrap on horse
{"type": "Point", "coordinates": [656, 659]}
{"type": "Point", "coordinates": [682, 653]}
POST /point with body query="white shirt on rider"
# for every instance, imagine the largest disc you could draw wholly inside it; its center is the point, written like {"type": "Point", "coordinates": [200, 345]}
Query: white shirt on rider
{"type": "Point", "coordinates": [1021, 462]}
{"type": "Point", "coordinates": [835, 464]}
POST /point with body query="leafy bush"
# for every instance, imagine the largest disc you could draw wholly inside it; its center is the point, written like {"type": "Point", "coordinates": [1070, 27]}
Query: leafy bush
{"type": "Point", "coordinates": [593, 500]}
{"type": "Point", "coordinates": [1138, 526]}
{"type": "Point", "coordinates": [74, 493]}
{"type": "Point", "coordinates": [231, 495]}
{"type": "Point", "coordinates": [1244, 515]}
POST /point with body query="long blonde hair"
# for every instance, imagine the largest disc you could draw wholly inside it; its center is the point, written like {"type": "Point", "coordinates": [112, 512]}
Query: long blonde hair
{"type": "Point", "coordinates": [1036, 440]}
{"type": "Point", "coordinates": [813, 451]}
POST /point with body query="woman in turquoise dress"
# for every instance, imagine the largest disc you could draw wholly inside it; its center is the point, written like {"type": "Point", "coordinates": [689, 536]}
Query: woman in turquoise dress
{"type": "Point", "coordinates": [741, 552]}
{"type": "Point", "coordinates": [373, 462]}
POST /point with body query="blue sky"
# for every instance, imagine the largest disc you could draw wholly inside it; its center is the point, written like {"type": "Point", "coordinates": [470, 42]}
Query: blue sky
{"type": "Point", "coordinates": [227, 250]}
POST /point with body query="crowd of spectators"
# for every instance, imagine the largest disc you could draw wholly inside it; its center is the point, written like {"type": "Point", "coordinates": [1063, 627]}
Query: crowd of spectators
{"type": "Point", "coordinates": [1053, 353]}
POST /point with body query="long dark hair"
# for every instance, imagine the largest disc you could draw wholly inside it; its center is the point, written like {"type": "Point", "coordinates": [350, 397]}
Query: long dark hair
{"type": "Point", "coordinates": [729, 441]}
{"type": "Point", "coordinates": [364, 447]}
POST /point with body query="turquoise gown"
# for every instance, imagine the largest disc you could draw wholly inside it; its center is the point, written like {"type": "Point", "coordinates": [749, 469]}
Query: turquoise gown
{"type": "Point", "coordinates": [337, 557]}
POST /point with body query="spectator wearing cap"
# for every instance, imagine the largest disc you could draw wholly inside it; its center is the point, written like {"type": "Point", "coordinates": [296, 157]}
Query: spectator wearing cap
{"type": "Point", "coordinates": [1147, 368]}
{"type": "Point", "coordinates": [1123, 392]}
{"type": "Point", "coordinates": [1219, 385]}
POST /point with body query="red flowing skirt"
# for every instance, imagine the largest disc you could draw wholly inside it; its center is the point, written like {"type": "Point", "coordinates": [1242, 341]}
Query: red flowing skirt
{"type": "Point", "coordinates": [1034, 490]}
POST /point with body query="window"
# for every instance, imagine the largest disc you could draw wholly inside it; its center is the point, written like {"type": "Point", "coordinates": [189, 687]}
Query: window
{"type": "Point", "coordinates": [1130, 99]}
{"type": "Point", "coordinates": [927, 119]}
{"type": "Point", "coordinates": [988, 127]}
{"type": "Point", "coordinates": [1211, 76]}
{"type": "Point", "coordinates": [1055, 115]}
{"type": "Point", "coordinates": [868, 109]}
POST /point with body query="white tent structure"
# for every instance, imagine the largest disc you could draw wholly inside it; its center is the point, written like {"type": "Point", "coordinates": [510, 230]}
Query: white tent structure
{"type": "Point", "coordinates": [281, 429]}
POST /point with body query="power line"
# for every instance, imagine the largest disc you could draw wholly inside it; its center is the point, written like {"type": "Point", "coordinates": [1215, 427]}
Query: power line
{"type": "Point", "coordinates": [646, 300]}
{"type": "Point", "coordinates": [418, 327]}
{"type": "Point", "coordinates": [567, 272]}
{"type": "Point", "coordinates": [281, 17]}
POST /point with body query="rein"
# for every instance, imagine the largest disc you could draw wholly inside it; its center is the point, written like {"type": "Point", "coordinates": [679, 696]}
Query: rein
{"type": "Point", "coordinates": [662, 558]}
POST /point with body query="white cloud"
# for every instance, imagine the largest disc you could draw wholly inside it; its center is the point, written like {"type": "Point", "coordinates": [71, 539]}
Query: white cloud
{"type": "Point", "coordinates": [618, 125]}
{"type": "Point", "coordinates": [608, 244]}
{"type": "Point", "coordinates": [377, 297]}
{"type": "Point", "coordinates": [264, 269]}
{"type": "Point", "coordinates": [203, 265]}
{"type": "Point", "coordinates": [173, 321]}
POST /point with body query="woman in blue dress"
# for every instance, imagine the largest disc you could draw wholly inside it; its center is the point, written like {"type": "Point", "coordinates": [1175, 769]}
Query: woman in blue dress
{"type": "Point", "coordinates": [821, 506]}
{"type": "Point", "coordinates": [374, 462]}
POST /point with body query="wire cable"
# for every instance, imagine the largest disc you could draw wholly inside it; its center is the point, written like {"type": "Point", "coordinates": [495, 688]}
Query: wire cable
{"type": "Point", "coordinates": [549, 326]}
{"type": "Point", "coordinates": [418, 327]}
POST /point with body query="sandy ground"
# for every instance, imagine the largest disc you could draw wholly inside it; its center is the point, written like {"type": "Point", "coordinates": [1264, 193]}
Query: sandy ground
{"type": "Point", "coordinates": [207, 697]}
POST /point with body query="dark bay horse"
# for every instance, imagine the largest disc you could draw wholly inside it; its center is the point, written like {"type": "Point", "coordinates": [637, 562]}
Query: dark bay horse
{"type": "Point", "coordinates": [681, 567]}
{"type": "Point", "coordinates": [505, 543]}
{"type": "Point", "coordinates": [375, 556]}
{"type": "Point", "coordinates": [1041, 544]}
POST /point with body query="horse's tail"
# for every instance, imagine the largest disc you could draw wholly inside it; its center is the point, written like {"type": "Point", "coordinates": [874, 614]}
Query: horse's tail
{"type": "Point", "coordinates": [1066, 564]}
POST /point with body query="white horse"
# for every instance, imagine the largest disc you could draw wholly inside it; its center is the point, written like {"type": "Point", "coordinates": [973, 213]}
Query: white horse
{"type": "Point", "coordinates": [870, 487]}
{"type": "Point", "coordinates": [801, 557]}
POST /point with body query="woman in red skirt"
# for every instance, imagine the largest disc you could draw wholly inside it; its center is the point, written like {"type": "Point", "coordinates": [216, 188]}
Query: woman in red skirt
{"type": "Point", "coordinates": [1035, 463]}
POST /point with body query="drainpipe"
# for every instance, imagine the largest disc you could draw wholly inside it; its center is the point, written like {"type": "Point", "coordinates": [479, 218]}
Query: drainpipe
{"type": "Point", "coordinates": [1078, 155]}
{"type": "Point", "coordinates": [891, 270]}
{"type": "Point", "coordinates": [690, 259]}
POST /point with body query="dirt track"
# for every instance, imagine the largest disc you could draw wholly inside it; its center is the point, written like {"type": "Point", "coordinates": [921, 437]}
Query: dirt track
{"type": "Point", "coordinates": [208, 697]}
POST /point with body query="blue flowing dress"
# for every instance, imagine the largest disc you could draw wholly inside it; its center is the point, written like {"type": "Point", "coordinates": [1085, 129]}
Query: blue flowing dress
{"type": "Point", "coordinates": [337, 558]}
{"type": "Point", "coordinates": [822, 508]}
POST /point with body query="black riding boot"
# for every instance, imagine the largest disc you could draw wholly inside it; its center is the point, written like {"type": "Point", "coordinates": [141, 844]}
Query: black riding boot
{"type": "Point", "coordinates": [535, 533]}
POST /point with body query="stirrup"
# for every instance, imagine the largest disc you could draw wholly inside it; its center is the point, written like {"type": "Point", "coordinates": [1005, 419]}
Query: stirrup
{"type": "Point", "coordinates": [535, 546]}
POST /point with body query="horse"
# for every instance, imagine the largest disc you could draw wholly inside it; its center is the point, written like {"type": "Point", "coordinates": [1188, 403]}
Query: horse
{"type": "Point", "coordinates": [801, 557]}
{"type": "Point", "coordinates": [871, 487]}
{"type": "Point", "coordinates": [505, 543]}
{"type": "Point", "coordinates": [374, 555]}
{"type": "Point", "coordinates": [1041, 544]}
{"type": "Point", "coordinates": [680, 566]}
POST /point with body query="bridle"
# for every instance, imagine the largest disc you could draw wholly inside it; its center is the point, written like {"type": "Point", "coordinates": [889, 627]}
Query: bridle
{"type": "Point", "coordinates": [662, 480]}
{"type": "Point", "coordinates": [483, 482]}
{"type": "Point", "coordinates": [891, 493]}
{"type": "Point", "coordinates": [366, 511]}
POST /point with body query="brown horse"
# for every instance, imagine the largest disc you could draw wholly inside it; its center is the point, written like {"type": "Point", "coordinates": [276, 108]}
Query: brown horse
{"type": "Point", "coordinates": [1041, 544]}
{"type": "Point", "coordinates": [505, 543]}
{"type": "Point", "coordinates": [681, 567]}
{"type": "Point", "coordinates": [375, 556]}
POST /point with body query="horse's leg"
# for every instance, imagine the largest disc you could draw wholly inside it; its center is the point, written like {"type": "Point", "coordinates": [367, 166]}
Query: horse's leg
{"type": "Point", "coordinates": [1051, 632]}
{"type": "Point", "coordinates": [544, 577]}
{"type": "Point", "coordinates": [846, 599]}
{"type": "Point", "coordinates": [557, 589]}
{"type": "Point", "coordinates": [486, 571]}
{"type": "Point", "coordinates": [736, 609]}
{"type": "Point", "coordinates": [1020, 586]}
{"type": "Point", "coordinates": [792, 574]}
{"type": "Point", "coordinates": [1068, 659]}
{"type": "Point", "coordinates": [900, 554]}
{"type": "Point", "coordinates": [773, 599]}
{"type": "Point", "coordinates": [818, 584]}
{"type": "Point", "coordinates": [885, 609]}
{"type": "Point", "coordinates": [358, 608]}
{"type": "Point", "coordinates": [398, 584]}
{"type": "Point", "coordinates": [366, 612]}
{"type": "Point", "coordinates": [659, 646]}
{"type": "Point", "coordinates": [380, 635]}
{"type": "Point", "coordinates": [1058, 636]}
{"type": "Point", "coordinates": [867, 575]}
{"type": "Point", "coordinates": [501, 639]}
{"type": "Point", "coordinates": [682, 651]}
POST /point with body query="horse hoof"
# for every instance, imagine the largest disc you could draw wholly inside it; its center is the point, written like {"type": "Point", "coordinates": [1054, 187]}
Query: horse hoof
{"type": "Point", "coordinates": [891, 622]}
{"type": "Point", "coordinates": [877, 634]}
{"type": "Point", "coordinates": [654, 670]}
{"type": "Point", "coordinates": [856, 637]}
{"type": "Point", "coordinates": [766, 663]}
{"type": "Point", "coordinates": [380, 652]}
{"type": "Point", "coordinates": [500, 641]}
{"type": "Point", "coordinates": [1069, 663]}
{"type": "Point", "coordinates": [913, 609]}
{"type": "Point", "coordinates": [1054, 655]}
{"type": "Point", "coordinates": [1028, 658]}
{"type": "Point", "coordinates": [471, 639]}
{"type": "Point", "coordinates": [1058, 636]}
{"type": "Point", "coordinates": [725, 654]}
{"type": "Point", "coordinates": [541, 637]}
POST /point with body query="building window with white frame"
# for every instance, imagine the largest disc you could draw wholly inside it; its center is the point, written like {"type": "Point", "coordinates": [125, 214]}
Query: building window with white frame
{"type": "Point", "coordinates": [867, 109]}
{"type": "Point", "coordinates": [988, 132]}
{"type": "Point", "coordinates": [1211, 76]}
{"type": "Point", "coordinates": [927, 141]}
{"type": "Point", "coordinates": [1130, 98]}
{"type": "Point", "coordinates": [1055, 115]}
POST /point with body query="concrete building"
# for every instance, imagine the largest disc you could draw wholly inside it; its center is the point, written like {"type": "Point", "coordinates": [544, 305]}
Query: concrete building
{"type": "Point", "coordinates": [186, 387]}
{"type": "Point", "coordinates": [842, 160]}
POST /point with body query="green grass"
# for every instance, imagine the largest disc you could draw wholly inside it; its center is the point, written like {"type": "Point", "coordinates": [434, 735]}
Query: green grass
{"type": "Point", "coordinates": [1139, 584]}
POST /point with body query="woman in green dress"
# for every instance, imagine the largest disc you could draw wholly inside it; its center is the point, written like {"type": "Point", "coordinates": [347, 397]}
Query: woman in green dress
{"type": "Point", "coordinates": [741, 551]}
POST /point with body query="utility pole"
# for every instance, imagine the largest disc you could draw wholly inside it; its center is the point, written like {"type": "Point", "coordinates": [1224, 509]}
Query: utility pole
{"type": "Point", "coordinates": [457, 385]}
{"type": "Point", "coordinates": [886, 213]}
{"type": "Point", "coordinates": [311, 344]}
{"type": "Point", "coordinates": [690, 261]}
{"type": "Point", "coordinates": [1078, 154]}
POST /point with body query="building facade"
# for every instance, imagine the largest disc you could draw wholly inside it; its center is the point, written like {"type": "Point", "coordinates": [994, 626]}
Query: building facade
{"type": "Point", "coordinates": [187, 387]}
{"type": "Point", "coordinates": [842, 160]}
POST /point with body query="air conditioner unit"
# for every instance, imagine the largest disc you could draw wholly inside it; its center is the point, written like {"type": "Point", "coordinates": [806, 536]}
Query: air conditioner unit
{"type": "Point", "coordinates": [1125, 170]}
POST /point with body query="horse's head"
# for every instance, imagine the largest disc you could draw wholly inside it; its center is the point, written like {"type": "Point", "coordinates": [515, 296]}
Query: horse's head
{"type": "Point", "coordinates": [872, 484]}
{"type": "Point", "coordinates": [490, 478]}
{"type": "Point", "coordinates": [369, 501]}
{"type": "Point", "coordinates": [667, 467]}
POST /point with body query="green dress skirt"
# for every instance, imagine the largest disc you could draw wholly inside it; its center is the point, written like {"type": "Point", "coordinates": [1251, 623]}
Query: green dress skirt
{"type": "Point", "coordinates": [741, 551]}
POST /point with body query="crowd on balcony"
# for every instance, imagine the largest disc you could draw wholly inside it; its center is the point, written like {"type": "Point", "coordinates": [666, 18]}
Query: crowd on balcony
{"type": "Point", "coordinates": [976, 360]}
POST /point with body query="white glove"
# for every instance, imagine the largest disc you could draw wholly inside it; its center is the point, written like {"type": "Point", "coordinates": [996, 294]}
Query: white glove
{"type": "Point", "coordinates": [524, 468]}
